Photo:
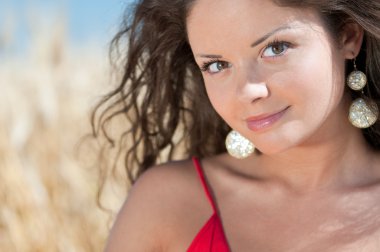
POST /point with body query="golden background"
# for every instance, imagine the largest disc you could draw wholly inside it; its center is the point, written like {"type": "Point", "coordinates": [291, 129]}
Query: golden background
{"type": "Point", "coordinates": [48, 173]}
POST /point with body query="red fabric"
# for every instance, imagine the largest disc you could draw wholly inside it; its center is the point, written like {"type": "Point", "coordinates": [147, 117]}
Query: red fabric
{"type": "Point", "coordinates": [211, 237]}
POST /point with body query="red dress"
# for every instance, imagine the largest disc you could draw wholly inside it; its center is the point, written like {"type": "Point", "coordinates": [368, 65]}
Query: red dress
{"type": "Point", "coordinates": [211, 237]}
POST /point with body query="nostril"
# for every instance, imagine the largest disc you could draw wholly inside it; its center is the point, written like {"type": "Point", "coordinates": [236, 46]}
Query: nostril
{"type": "Point", "coordinates": [255, 100]}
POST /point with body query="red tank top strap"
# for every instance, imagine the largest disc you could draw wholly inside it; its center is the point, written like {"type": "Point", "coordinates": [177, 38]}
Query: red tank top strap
{"type": "Point", "coordinates": [206, 188]}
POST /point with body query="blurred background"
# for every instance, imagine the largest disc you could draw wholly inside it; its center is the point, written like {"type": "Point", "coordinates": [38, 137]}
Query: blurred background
{"type": "Point", "coordinates": [54, 67]}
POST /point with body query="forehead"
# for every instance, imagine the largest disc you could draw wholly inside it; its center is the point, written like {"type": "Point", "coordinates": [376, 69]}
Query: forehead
{"type": "Point", "coordinates": [237, 19]}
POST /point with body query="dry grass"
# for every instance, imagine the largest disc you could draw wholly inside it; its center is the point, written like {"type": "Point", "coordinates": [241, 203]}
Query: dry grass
{"type": "Point", "coordinates": [47, 183]}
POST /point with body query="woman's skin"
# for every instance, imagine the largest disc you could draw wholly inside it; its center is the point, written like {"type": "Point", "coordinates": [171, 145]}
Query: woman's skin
{"type": "Point", "coordinates": [316, 185]}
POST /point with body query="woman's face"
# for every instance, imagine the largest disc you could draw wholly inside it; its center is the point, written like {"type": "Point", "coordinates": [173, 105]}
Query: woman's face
{"type": "Point", "coordinates": [272, 73]}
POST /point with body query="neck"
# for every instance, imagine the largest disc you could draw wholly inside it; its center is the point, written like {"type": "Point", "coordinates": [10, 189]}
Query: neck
{"type": "Point", "coordinates": [338, 160]}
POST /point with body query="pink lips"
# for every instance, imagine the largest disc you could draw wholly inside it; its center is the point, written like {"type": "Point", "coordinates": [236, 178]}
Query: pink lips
{"type": "Point", "coordinates": [258, 123]}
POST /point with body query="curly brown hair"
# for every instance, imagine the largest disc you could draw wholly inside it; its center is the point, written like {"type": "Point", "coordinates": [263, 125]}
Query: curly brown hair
{"type": "Point", "coordinates": [161, 92]}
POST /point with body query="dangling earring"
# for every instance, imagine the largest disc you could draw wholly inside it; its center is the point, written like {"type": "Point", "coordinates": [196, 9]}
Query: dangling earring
{"type": "Point", "coordinates": [363, 111]}
{"type": "Point", "coordinates": [238, 146]}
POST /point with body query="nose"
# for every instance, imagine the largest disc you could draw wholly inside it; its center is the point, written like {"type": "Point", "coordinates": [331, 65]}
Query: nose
{"type": "Point", "coordinates": [250, 90]}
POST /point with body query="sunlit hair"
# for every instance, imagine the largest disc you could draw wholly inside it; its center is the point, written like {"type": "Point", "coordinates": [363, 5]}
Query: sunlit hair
{"type": "Point", "coordinates": [161, 92]}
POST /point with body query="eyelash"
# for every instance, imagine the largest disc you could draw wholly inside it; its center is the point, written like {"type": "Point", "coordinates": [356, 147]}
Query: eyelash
{"type": "Point", "coordinates": [276, 42]}
{"type": "Point", "coordinates": [205, 66]}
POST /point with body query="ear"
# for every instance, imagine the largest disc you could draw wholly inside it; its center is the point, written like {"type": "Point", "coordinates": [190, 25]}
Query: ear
{"type": "Point", "coordinates": [351, 39]}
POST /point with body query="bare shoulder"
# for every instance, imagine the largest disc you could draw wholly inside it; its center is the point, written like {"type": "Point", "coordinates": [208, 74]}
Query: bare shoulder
{"type": "Point", "coordinates": [154, 208]}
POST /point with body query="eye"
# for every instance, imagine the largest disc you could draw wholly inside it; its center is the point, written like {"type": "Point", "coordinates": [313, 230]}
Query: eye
{"type": "Point", "coordinates": [275, 49]}
{"type": "Point", "coordinates": [214, 67]}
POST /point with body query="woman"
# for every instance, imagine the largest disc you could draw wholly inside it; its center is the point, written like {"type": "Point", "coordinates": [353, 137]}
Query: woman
{"type": "Point", "coordinates": [305, 170]}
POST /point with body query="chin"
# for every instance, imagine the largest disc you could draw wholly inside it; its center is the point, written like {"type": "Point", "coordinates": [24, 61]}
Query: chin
{"type": "Point", "coordinates": [271, 150]}
{"type": "Point", "coordinates": [279, 146]}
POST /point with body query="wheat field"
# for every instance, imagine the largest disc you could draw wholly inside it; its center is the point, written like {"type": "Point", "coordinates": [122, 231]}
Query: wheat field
{"type": "Point", "coordinates": [48, 174]}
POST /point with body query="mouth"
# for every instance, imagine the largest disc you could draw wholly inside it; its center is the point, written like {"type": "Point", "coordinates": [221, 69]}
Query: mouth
{"type": "Point", "coordinates": [261, 122]}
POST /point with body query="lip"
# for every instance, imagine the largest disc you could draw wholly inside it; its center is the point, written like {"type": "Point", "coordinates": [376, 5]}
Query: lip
{"type": "Point", "coordinates": [261, 122]}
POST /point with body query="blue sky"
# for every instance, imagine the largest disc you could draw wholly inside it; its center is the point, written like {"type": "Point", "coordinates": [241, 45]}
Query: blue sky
{"type": "Point", "coordinates": [87, 20]}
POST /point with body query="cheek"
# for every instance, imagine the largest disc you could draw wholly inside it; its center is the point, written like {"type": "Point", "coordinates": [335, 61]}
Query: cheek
{"type": "Point", "coordinates": [325, 85]}
{"type": "Point", "coordinates": [221, 98]}
{"type": "Point", "coordinates": [317, 82]}
{"type": "Point", "coordinates": [217, 98]}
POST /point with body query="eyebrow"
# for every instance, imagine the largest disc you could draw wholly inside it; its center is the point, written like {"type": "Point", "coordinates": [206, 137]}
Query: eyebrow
{"type": "Point", "coordinates": [210, 56]}
{"type": "Point", "coordinates": [266, 36]}
{"type": "Point", "coordinates": [257, 42]}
